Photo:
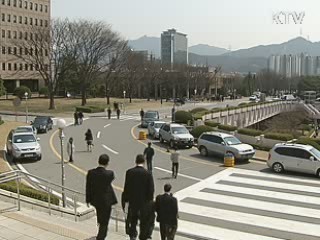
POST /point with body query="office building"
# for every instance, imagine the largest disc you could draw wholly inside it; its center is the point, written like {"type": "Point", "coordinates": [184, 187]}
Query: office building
{"type": "Point", "coordinates": [17, 18]}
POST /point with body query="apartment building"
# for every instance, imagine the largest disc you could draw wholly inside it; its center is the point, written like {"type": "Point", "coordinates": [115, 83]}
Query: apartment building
{"type": "Point", "coordinates": [18, 18]}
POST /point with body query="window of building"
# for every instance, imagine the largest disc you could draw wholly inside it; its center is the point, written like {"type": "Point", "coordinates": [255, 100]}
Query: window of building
{"type": "Point", "coordinates": [3, 50]}
{"type": "Point", "coordinates": [20, 3]}
{"type": "Point", "coordinates": [46, 23]}
{"type": "Point", "coordinates": [41, 7]}
{"type": "Point", "coordinates": [46, 8]}
{"type": "Point", "coordinates": [20, 19]}
{"type": "Point", "coordinates": [36, 21]}
{"type": "Point", "coordinates": [31, 21]}
{"type": "Point", "coordinates": [15, 67]}
{"type": "Point", "coordinates": [9, 34]}
{"type": "Point", "coordinates": [3, 33]}
{"type": "Point", "coordinates": [26, 51]}
{"type": "Point", "coordinates": [14, 3]}
{"type": "Point", "coordinates": [25, 36]}
{"type": "Point", "coordinates": [41, 23]}
{"type": "Point", "coordinates": [21, 67]}
{"type": "Point", "coordinates": [31, 6]}
{"type": "Point", "coordinates": [9, 2]}
{"type": "Point", "coordinates": [21, 51]}
{"type": "Point", "coordinates": [46, 52]}
{"type": "Point", "coordinates": [3, 66]}
{"type": "Point", "coordinates": [9, 18]}
{"type": "Point", "coordinates": [9, 67]}
{"type": "Point", "coordinates": [31, 51]}
{"type": "Point", "coordinates": [25, 20]}
{"type": "Point", "coordinates": [31, 67]}
{"type": "Point", "coordinates": [41, 52]}
{"type": "Point", "coordinates": [9, 51]}
{"type": "Point", "coordinates": [36, 6]}
{"type": "Point", "coordinates": [15, 34]}
{"type": "Point", "coordinates": [14, 19]}
{"type": "Point", "coordinates": [26, 67]}
{"type": "Point", "coordinates": [31, 36]}
{"type": "Point", "coordinates": [25, 4]}
{"type": "Point", "coordinates": [3, 17]}
{"type": "Point", "coordinates": [20, 35]}
{"type": "Point", "coordinates": [15, 51]}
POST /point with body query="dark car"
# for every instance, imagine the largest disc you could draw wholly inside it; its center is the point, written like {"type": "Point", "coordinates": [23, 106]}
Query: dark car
{"type": "Point", "coordinates": [179, 101]}
{"type": "Point", "coordinates": [43, 123]}
{"type": "Point", "coordinates": [149, 116]}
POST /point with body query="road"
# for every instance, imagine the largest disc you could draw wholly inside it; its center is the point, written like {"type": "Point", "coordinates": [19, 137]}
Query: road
{"type": "Point", "coordinates": [245, 202]}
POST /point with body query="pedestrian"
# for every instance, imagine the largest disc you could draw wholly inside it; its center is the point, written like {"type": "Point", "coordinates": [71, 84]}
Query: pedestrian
{"type": "Point", "coordinates": [70, 149]}
{"type": "Point", "coordinates": [75, 116]}
{"type": "Point", "coordinates": [80, 115]}
{"type": "Point", "coordinates": [148, 154]}
{"type": "Point", "coordinates": [141, 114]}
{"type": "Point", "coordinates": [100, 194]}
{"type": "Point", "coordinates": [166, 207]}
{"type": "Point", "coordinates": [118, 113]}
{"type": "Point", "coordinates": [109, 112]}
{"type": "Point", "coordinates": [138, 193]}
{"type": "Point", "coordinates": [175, 162]}
{"type": "Point", "coordinates": [89, 140]}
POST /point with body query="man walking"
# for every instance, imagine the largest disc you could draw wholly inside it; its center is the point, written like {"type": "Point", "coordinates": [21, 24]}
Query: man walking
{"type": "Point", "coordinates": [70, 149]}
{"type": "Point", "coordinates": [148, 154]}
{"type": "Point", "coordinates": [175, 162]}
{"type": "Point", "coordinates": [138, 192]}
{"type": "Point", "coordinates": [109, 112]}
{"type": "Point", "coordinates": [100, 194]}
{"type": "Point", "coordinates": [166, 207]}
{"type": "Point", "coordinates": [118, 113]}
{"type": "Point", "coordinates": [141, 114]}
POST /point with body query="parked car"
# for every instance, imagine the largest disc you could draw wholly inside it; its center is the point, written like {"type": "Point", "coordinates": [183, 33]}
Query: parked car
{"type": "Point", "coordinates": [175, 135]}
{"type": "Point", "coordinates": [288, 97]}
{"type": "Point", "coordinates": [30, 129]}
{"type": "Point", "coordinates": [253, 98]}
{"type": "Point", "coordinates": [179, 101]}
{"type": "Point", "coordinates": [154, 127]}
{"type": "Point", "coordinates": [23, 145]}
{"type": "Point", "coordinates": [294, 157]}
{"type": "Point", "coordinates": [43, 123]}
{"type": "Point", "coordinates": [222, 143]}
{"type": "Point", "coordinates": [149, 116]}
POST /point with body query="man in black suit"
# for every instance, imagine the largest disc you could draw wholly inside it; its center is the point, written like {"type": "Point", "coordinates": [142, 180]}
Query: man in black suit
{"type": "Point", "coordinates": [167, 213]}
{"type": "Point", "coordinates": [138, 192]}
{"type": "Point", "coordinates": [100, 194]}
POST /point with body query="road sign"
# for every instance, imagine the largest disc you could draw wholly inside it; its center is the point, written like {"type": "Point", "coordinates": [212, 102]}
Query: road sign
{"type": "Point", "coordinates": [16, 102]}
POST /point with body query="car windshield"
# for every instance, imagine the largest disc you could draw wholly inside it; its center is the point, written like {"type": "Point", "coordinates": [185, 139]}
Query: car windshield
{"type": "Point", "coordinates": [40, 121]}
{"type": "Point", "coordinates": [158, 125]}
{"type": "Point", "coordinates": [24, 139]}
{"type": "Point", "coordinates": [232, 140]}
{"type": "Point", "coordinates": [24, 129]}
{"type": "Point", "coordinates": [151, 115]}
{"type": "Point", "coordinates": [179, 130]}
{"type": "Point", "coordinates": [316, 153]}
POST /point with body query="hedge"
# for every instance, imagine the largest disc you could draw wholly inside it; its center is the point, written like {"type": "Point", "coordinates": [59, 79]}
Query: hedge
{"type": "Point", "coordinates": [308, 141]}
{"type": "Point", "coordinates": [44, 91]}
{"type": "Point", "coordinates": [89, 109]}
{"type": "Point", "coordinates": [183, 117]}
{"type": "Point", "coordinates": [1, 122]}
{"type": "Point", "coordinates": [198, 115]}
{"type": "Point", "coordinates": [196, 132]}
{"type": "Point", "coordinates": [227, 127]}
{"type": "Point", "coordinates": [250, 132]}
{"type": "Point", "coordinates": [212, 123]}
{"type": "Point", "coordinates": [29, 192]}
{"type": "Point", "coordinates": [199, 109]}
{"type": "Point", "coordinates": [20, 91]}
{"type": "Point", "coordinates": [214, 110]}
{"type": "Point", "coordinates": [278, 136]}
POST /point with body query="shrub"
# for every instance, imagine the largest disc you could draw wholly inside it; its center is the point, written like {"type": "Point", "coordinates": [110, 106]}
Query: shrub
{"type": "Point", "coordinates": [199, 115]}
{"type": "Point", "coordinates": [89, 109]}
{"type": "Point", "coordinates": [227, 127]}
{"type": "Point", "coordinates": [196, 132]}
{"type": "Point", "coordinates": [309, 141]}
{"type": "Point", "coordinates": [19, 91]}
{"type": "Point", "coordinates": [44, 91]}
{"type": "Point", "coordinates": [258, 147]}
{"type": "Point", "coordinates": [29, 192]}
{"type": "Point", "coordinates": [243, 104]}
{"type": "Point", "coordinates": [1, 122]}
{"type": "Point", "coordinates": [199, 109]}
{"type": "Point", "coordinates": [249, 132]}
{"type": "Point", "coordinates": [214, 110]}
{"type": "Point", "coordinates": [183, 117]}
{"type": "Point", "coordinates": [305, 127]}
{"type": "Point", "coordinates": [211, 123]}
{"type": "Point", "coordinates": [278, 136]}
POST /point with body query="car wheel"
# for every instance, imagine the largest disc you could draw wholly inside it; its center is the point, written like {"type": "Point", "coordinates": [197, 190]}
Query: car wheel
{"type": "Point", "coordinates": [39, 158]}
{"type": "Point", "coordinates": [203, 151]}
{"type": "Point", "coordinates": [171, 144]}
{"type": "Point", "coordinates": [14, 159]}
{"type": "Point", "coordinates": [161, 139]}
{"type": "Point", "coordinates": [277, 167]}
{"type": "Point", "coordinates": [46, 130]}
{"type": "Point", "coordinates": [318, 173]}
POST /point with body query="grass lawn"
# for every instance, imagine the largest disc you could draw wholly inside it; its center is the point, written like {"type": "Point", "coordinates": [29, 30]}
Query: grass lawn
{"type": "Point", "coordinates": [67, 106]}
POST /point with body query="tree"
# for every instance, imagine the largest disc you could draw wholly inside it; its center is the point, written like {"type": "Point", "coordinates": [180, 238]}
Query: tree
{"type": "Point", "coordinates": [2, 88]}
{"type": "Point", "coordinates": [309, 84]}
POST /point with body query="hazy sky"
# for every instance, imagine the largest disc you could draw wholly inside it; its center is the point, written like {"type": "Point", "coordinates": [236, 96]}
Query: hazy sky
{"type": "Point", "coordinates": [222, 23]}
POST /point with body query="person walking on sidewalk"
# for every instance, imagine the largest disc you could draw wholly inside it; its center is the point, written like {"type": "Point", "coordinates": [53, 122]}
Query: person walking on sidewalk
{"type": "Point", "coordinates": [89, 140]}
{"type": "Point", "coordinates": [175, 162]}
{"type": "Point", "coordinates": [80, 115]}
{"type": "Point", "coordinates": [141, 114]}
{"type": "Point", "coordinates": [166, 207]}
{"type": "Point", "coordinates": [100, 194]}
{"type": "Point", "coordinates": [138, 192]}
{"type": "Point", "coordinates": [148, 154]}
{"type": "Point", "coordinates": [109, 113]}
{"type": "Point", "coordinates": [76, 118]}
{"type": "Point", "coordinates": [118, 113]}
{"type": "Point", "coordinates": [70, 149]}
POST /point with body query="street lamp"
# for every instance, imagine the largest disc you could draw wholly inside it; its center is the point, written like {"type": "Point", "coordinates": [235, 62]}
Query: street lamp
{"type": "Point", "coordinates": [61, 123]}
{"type": "Point", "coordinates": [195, 94]}
{"type": "Point", "coordinates": [124, 101]}
{"type": "Point", "coordinates": [26, 96]}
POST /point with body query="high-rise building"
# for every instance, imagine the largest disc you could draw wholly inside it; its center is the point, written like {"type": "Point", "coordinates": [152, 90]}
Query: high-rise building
{"type": "Point", "coordinates": [174, 48]}
{"type": "Point", "coordinates": [17, 17]}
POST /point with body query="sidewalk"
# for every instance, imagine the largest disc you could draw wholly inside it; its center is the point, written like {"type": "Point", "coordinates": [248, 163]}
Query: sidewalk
{"type": "Point", "coordinates": [261, 155]}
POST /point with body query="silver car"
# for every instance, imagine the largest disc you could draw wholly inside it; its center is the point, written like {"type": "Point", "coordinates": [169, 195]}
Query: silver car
{"type": "Point", "coordinates": [222, 143]}
{"type": "Point", "coordinates": [29, 129]}
{"type": "Point", "coordinates": [23, 146]}
{"type": "Point", "coordinates": [149, 117]}
{"type": "Point", "coordinates": [294, 157]}
{"type": "Point", "coordinates": [154, 127]}
{"type": "Point", "coordinates": [175, 135]}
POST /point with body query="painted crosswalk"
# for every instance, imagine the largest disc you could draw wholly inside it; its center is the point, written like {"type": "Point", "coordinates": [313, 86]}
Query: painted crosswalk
{"type": "Point", "coordinates": [238, 204]}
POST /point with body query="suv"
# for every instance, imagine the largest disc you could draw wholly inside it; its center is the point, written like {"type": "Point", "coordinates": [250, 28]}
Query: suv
{"type": "Point", "coordinates": [222, 143]}
{"type": "Point", "coordinates": [294, 157]}
{"type": "Point", "coordinates": [149, 116]}
{"type": "Point", "coordinates": [42, 123]}
{"type": "Point", "coordinates": [23, 145]}
{"type": "Point", "coordinates": [175, 135]}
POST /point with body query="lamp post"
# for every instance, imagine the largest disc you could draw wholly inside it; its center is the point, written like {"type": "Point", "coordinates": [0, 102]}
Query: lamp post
{"type": "Point", "coordinates": [195, 94]}
{"type": "Point", "coordinates": [124, 101]}
{"type": "Point", "coordinates": [61, 123]}
{"type": "Point", "coordinates": [26, 96]}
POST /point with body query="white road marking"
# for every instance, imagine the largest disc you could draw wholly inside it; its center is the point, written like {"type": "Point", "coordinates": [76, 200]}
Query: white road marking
{"type": "Point", "coordinates": [107, 125]}
{"type": "Point", "coordinates": [98, 134]}
{"type": "Point", "coordinates": [257, 161]}
{"type": "Point", "coordinates": [179, 174]}
{"type": "Point", "coordinates": [109, 149]}
{"type": "Point", "coordinates": [128, 118]}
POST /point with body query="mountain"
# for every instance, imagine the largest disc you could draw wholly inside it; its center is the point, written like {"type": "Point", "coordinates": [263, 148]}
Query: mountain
{"type": "Point", "coordinates": [294, 46]}
{"type": "Point", "coordinates": [207, 50]}
{"type": "Point", "coordinates": [152, 44]}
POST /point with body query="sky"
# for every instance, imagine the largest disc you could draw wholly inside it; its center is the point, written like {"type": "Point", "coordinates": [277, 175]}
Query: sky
{"type": "Point", "coordinates": [231, 24]}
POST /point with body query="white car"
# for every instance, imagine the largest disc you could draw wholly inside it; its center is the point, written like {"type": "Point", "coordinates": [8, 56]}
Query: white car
{"type": "Point", "coordinates": [175, 135]}
{"type": "Point", "coordinates": [253, 98]}
{"type": "Point", "coordinates": [294, 157]}
{"type": "Point", "coordinates": [154, 127]}
{"type": "Point", "coordinates": [222, 143]}
{"type": "Point", "coordinates": [28, 129]}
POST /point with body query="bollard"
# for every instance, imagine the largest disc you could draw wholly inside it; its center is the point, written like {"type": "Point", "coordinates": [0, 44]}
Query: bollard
{"type": "Point", "coordinates": [142, 135]}
{"type": "Point", "coordinates": [229, 160]}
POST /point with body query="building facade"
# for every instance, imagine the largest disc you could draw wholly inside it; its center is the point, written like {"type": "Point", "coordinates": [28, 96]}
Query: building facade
{"type": "Point", "coordinates": [17, 18]}
{"type": "Point", "coordinates": [174, 48]}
